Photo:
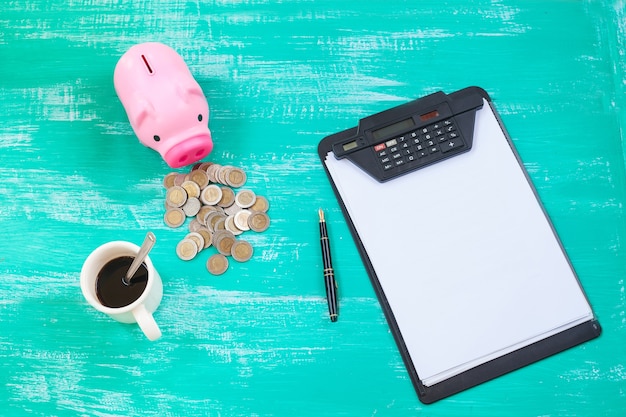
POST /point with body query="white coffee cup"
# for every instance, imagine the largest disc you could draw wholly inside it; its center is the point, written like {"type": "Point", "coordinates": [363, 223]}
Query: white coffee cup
{"type": "Point", "coordinates": [139, 311]}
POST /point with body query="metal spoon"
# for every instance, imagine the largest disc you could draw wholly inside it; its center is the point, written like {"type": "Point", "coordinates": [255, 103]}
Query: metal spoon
{"type": "Point", "coordinates": [147, 244]}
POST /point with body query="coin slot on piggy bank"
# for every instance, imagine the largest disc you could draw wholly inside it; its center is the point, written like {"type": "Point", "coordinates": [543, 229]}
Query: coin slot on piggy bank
{"type": "Point", "coordinates": [166, 107]}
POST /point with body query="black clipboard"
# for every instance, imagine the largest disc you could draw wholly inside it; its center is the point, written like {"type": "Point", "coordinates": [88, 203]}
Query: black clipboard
{"type": "Point", "coordinates": [413, 295]}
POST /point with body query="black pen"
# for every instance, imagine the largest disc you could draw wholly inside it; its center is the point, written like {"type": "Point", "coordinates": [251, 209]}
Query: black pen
{"type": "Point", "coordinates": [329, 274]}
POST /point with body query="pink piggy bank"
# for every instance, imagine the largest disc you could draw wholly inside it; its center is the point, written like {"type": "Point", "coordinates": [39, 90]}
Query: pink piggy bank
{"type": "Point", "coordinates": [165, 105]}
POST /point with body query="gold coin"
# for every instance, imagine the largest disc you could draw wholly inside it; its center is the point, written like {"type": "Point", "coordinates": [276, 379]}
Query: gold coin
{"type": "Point", "coordinates": [217, 264]}
{"type": "Point", "coordinates": [176, 196]}
{"type": "Point", "coordinates": [241, 219]}
{"type": "Point", "coordinates": [212, 172]}
{"type": "Point", "coordinates": [224, 242]}
{"type": "Point", "coordinates": [200, 177]}
{"type": "Point", "coordinates": [241, 251]}
{"type": "Point", "coordinates": [219, 224]}
{"type": "Point", "coordinates": [203, 212]}
{"type": "Point", "coordinates": [186, 249]}
{"type": "Point", "coordinates": [174, 217]}
{"type": "Point", "coordinates": [222, 173]}
{"type": "Point", "coordinates": [168, 181]}
{"type": "Point", "coordinates": [245, 198]}
{"type": "Point", "coordinates": [205, 165]}
{"type": "Point", "coordinates": [179, 179]}
{"type": "Point", "coordinates": [260, 204]}
{"type": "Point", "coordinates": [236, 177]}
{"type": "Point", "coordinates": [192, 188]}
{"type": "Point", "coordinates": [211, 195]}
{"type": "Point", "coordinates": [259, 221]}
{"type": "Point", "coordinates": [213, 219]}
{"type": "Point", "coordinates": [197, 238]}
{"type": "Point", "coordinates": [228, 197]}
{"type": "Point", "coordinates": [207, 236]}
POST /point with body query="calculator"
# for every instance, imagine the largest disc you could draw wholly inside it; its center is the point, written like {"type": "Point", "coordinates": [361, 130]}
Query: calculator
{"type": "Point", "coordinates": [411, 136]}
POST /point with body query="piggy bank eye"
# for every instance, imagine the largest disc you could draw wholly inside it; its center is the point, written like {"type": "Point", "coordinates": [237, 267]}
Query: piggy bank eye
{"type": "Point", "coordinates": [199, 117]}
{"type": "Point", "coordinates": [156, 138]}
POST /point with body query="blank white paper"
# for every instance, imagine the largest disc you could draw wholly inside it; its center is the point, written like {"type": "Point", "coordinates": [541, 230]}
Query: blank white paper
{"type": "Point", "coordinates": [465, 256]}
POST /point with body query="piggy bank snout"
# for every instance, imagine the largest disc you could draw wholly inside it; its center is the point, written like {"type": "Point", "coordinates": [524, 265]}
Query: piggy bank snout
{"type": "Point", "coordinates": [189, 150]}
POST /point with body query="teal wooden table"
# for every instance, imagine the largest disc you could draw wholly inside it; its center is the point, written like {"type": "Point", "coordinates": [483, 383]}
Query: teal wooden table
{"type": "Point", "coordinates": [280, 76]}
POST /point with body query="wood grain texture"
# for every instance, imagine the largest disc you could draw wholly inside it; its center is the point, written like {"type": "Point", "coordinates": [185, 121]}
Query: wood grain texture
{"type": "Point", "coordinates": [280, 76]}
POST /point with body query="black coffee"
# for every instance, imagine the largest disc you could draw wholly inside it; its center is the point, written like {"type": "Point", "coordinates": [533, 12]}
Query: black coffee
{"type": "Point", "coordinates": [110, 287]}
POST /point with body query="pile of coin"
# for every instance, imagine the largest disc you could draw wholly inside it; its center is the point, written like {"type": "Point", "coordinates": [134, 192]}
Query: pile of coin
{"type": "Point", "coordinates": [218, 213]}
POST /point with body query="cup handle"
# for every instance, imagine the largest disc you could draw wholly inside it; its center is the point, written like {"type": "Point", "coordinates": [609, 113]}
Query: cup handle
{"type": "Point", "coordinates": [146, 322]}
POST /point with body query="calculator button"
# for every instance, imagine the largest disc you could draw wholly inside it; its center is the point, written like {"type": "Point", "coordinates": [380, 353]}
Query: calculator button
{"type": "Point", "coordinates": [391, 142]}
{"type": "Point", "coordinates": [397, 155]}
{"type": "Point", "coordinates": [422, 154]}
{"type": "Point", "coordinates": [382, 153]}
{"type": "Point", "coordinates": [394, 149]}
{"type": "Point", "coordinates": [433, 149]}
{"type": "Point", "coordinates": [453, 135]}
{"type": "Point", "coordinates": [398, 162]}
{"type": "Point", "coordinates": [450, 128]}
{"type": "Point", "coordinates": [385, 160]}
{"type": "Point", "coordinates": [387, 167]}
{"type": "Point", "coordinates": [379, 147]}
{"type": "Point", "coordinates": [451, 145]}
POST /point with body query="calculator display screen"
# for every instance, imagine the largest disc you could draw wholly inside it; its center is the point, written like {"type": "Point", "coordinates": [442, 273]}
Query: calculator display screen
{"type": "Point", "coordinates": [349, 145]}
{"type": "Point", "coordinates": [393, 129]}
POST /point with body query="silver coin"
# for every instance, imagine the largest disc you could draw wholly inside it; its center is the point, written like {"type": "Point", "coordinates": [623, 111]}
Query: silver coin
{"type": "Point", "coordinates": [186, 249]}
{"type": "Point", "coordinates": [241, 219]}
{"type": "Point", "coordinates": [232, 210]}
{"type": "Point", "coordinates": [194, 225]}
{"type": "Point", "coordinates": [245, 198]}
{"type": "Point", "coordinates": [192, 206]}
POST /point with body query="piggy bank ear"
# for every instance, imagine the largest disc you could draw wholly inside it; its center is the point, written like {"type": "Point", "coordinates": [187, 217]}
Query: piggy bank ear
{"type": "Point", "coordinates": [139, 112]}
{"type": "Point", "coordinates": [193, 89]}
